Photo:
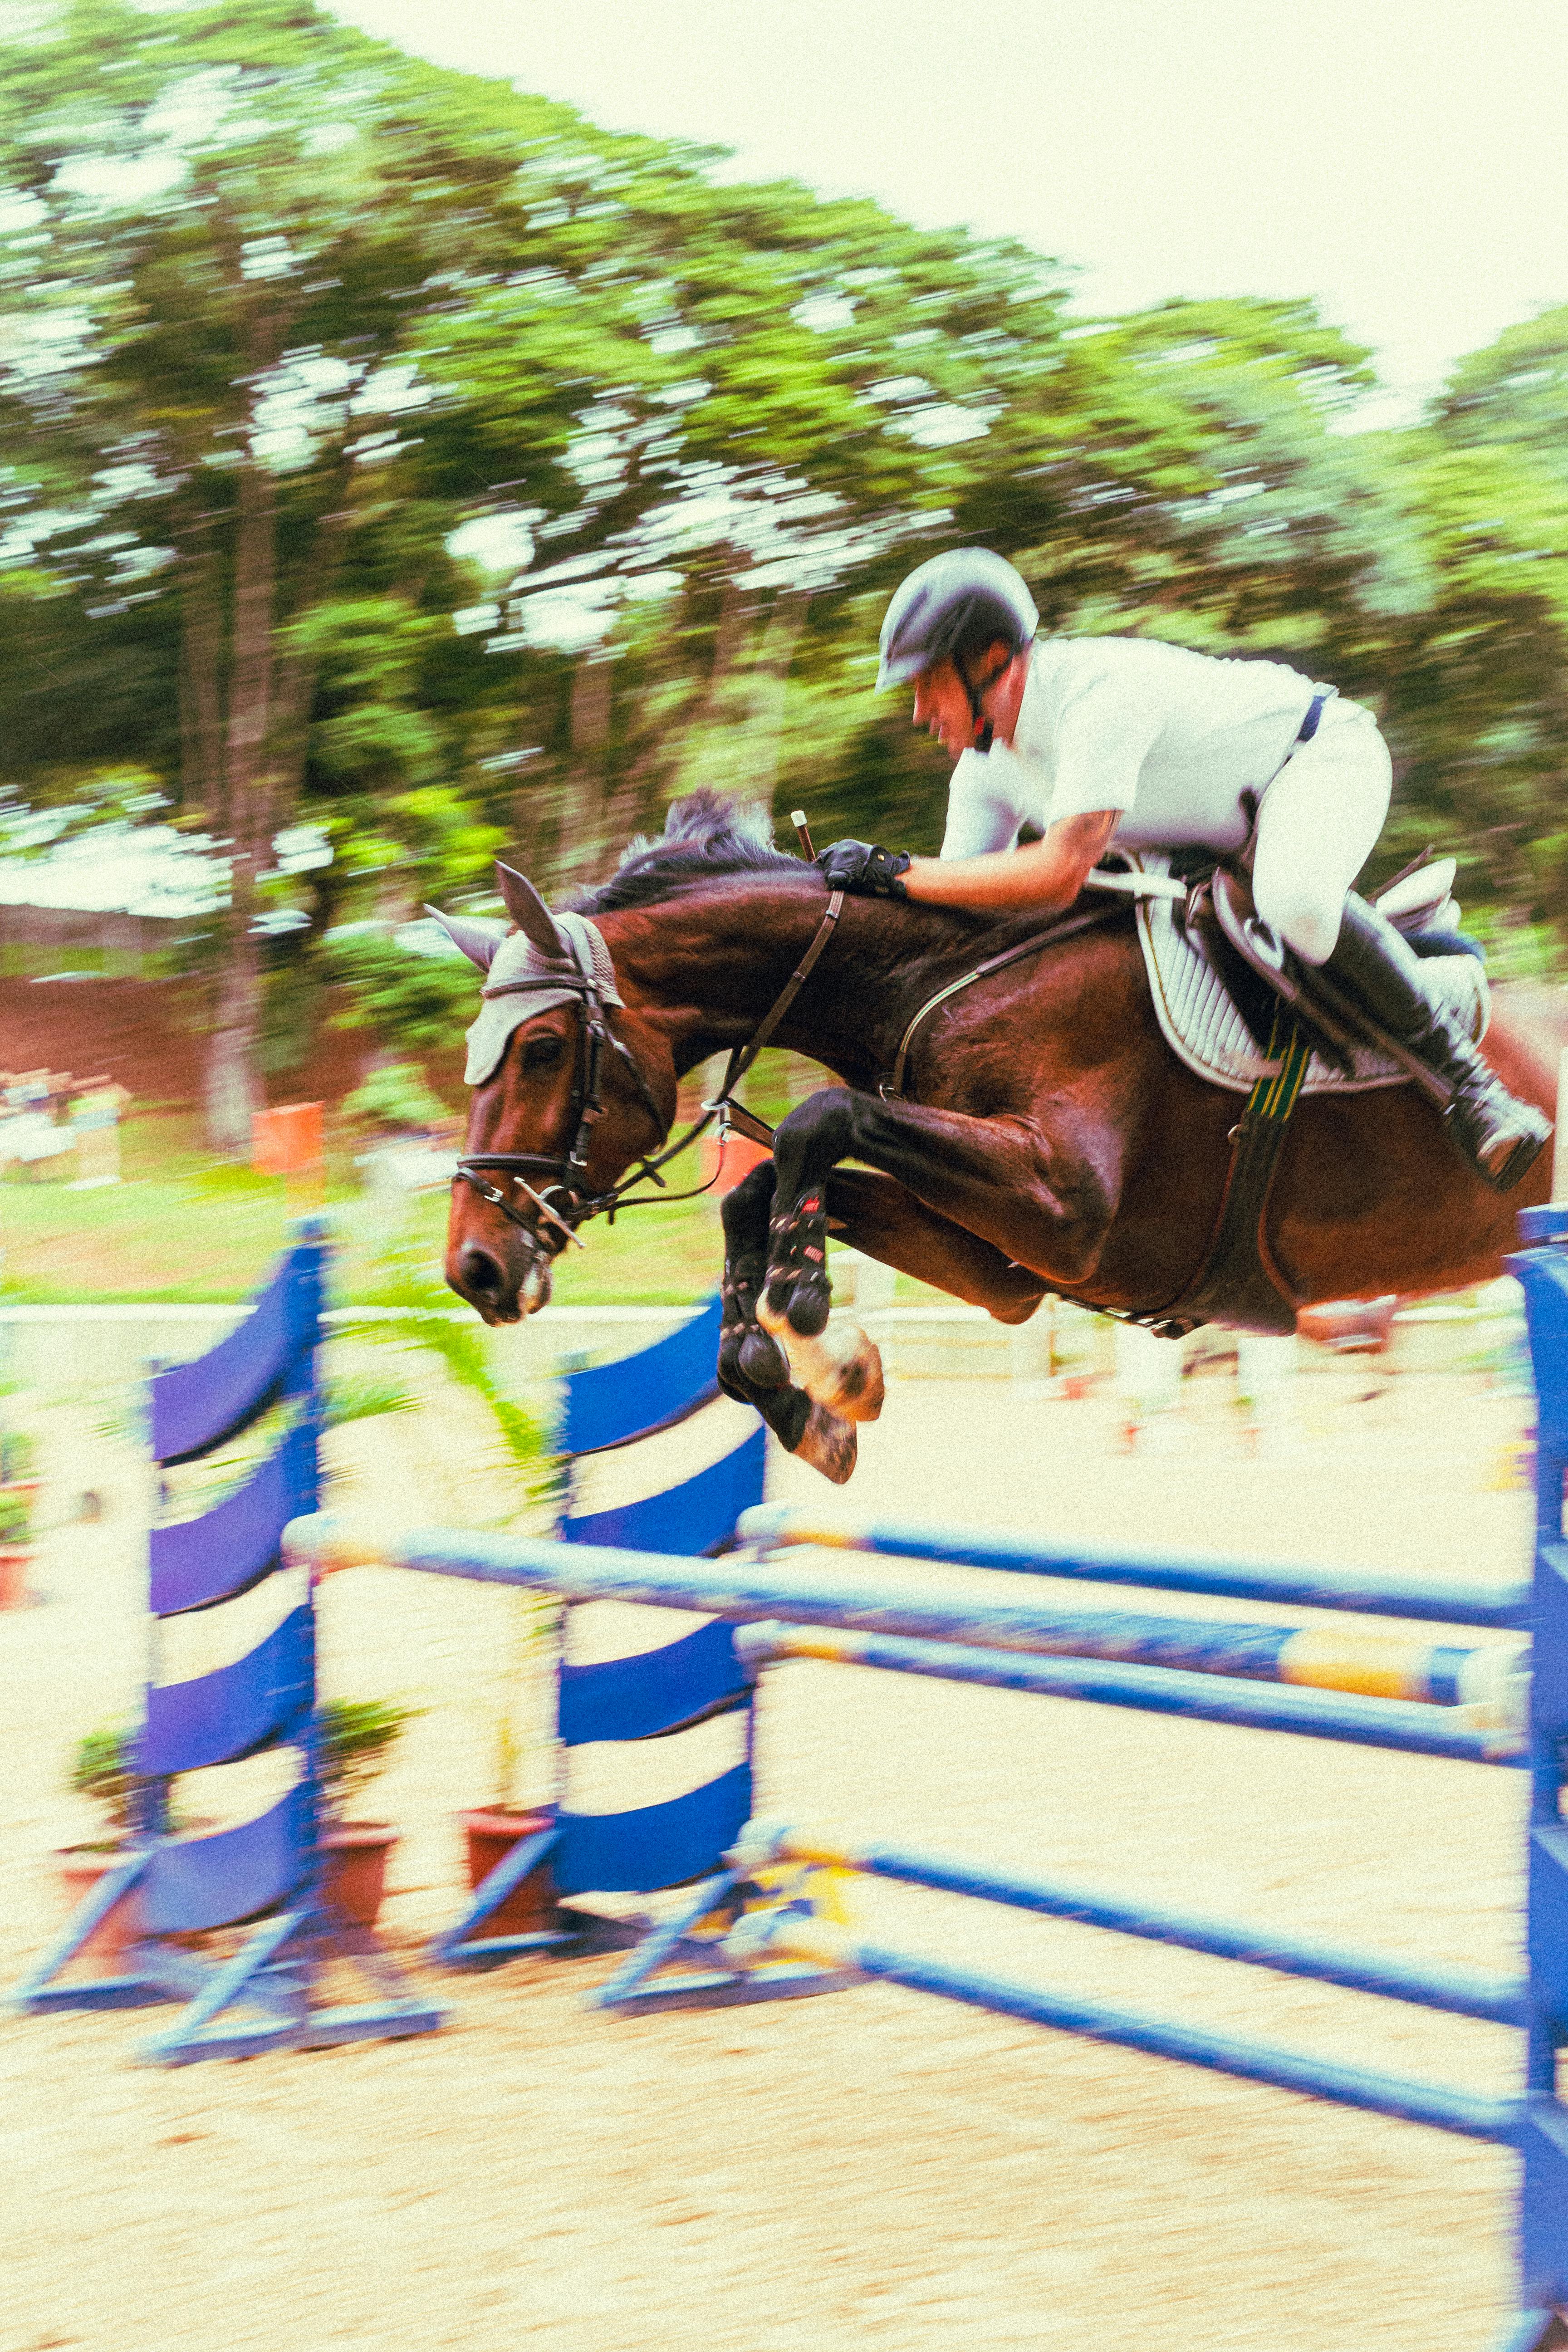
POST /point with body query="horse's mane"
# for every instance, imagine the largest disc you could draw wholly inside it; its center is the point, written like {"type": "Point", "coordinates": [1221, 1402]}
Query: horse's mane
{"type": "Point", "coordinates": [705, 838]}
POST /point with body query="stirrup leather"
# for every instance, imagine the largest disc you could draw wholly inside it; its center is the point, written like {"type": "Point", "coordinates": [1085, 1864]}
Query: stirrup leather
{"type": "Point", "coordinates": [1322, 1003]}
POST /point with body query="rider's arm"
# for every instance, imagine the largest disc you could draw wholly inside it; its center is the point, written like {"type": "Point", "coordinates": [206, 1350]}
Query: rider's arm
{"type": "Point", "coordinates": [1047, 875]}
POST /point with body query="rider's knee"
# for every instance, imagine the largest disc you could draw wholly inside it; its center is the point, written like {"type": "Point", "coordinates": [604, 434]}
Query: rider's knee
{"type": "Point", "coordinates": [1306, 919]}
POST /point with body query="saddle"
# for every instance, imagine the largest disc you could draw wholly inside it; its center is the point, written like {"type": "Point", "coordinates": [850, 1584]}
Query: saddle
{"type": "Point", "coordinates": [1216, 979]}
{"type": "Point", "coordinates": [1243, 1015]}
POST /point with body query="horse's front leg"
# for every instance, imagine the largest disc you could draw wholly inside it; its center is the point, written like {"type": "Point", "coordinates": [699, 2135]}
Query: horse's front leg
{"type": "Point", "coordinates": [1043, 1198]}
{"type": "Point", "coordinates": [752, 1366]}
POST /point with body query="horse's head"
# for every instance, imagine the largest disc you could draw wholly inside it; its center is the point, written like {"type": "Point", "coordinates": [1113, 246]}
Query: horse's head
{"type": "Point", "coordinates": [570, 1090]}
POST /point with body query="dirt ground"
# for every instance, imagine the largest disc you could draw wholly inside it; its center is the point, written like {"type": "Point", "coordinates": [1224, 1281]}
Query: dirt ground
{"type": "Point", "coordinates": [875, 2167]}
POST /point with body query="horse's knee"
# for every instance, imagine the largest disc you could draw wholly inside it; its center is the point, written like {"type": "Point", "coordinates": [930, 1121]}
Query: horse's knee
{"type": "Point", "coordinates": [819, 1129]}
{"type": "Point", "coordinates": [745, 1210]}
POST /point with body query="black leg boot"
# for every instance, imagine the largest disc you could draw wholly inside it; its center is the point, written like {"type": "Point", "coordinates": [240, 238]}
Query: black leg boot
{"type": "Point", "coordinates": [1499, 1136]}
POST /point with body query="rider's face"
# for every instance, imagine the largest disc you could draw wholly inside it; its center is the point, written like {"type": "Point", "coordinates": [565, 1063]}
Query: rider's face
{"type": "Point", "coordinates": [941, 706]}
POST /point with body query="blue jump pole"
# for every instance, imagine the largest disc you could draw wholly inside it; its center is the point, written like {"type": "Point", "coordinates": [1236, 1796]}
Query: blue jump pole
{"type": "Point", "coordinates": [1412, 1728]}
{"type": "Point", "coordinates": [1315, 1657]}
{"type": "Point", "coordinates": [1459, 1993]}
{"type": "Point", "coordinates": [748, 1591]}
{"type": "Point", "coordinates": [1451, 1601]}
{"type": "Point", "coordinates": [1414, 2102]}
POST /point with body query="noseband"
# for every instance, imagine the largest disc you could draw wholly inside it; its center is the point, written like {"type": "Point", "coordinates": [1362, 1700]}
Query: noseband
{"type": "Point", "coordinates": [565, 1173]}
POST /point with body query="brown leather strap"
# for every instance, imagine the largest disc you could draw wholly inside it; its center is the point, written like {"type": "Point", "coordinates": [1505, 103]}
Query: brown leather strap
{"type": "Point", "coordinates": [743, 1121]}
{"type": "Point", "coordinates": [746, 1123]}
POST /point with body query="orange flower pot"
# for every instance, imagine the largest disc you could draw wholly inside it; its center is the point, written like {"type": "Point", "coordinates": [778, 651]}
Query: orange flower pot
{"type": "Point", "coordinates": [354, 1880]}
{"type": "Point", "coordinates": [106, 1952]}
{"type": "Point", "coordinates": [16, 1560]}
{"type": "Point", "coordinates": [528, 1910]}
{"type": "Point", "coordinates": [741, 1155]}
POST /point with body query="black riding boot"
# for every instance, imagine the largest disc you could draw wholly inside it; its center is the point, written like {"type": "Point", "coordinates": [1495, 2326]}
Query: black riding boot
{"type": "Point", "coordinates": [1500, 1135]}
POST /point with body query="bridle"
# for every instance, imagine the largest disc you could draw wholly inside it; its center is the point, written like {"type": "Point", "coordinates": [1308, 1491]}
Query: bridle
{"type": "Point", "coordinates": [565, 1173]}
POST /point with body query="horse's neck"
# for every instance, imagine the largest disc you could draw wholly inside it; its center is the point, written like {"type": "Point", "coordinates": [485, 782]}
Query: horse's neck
{"type": "Point", "coordinates": [711, 966]}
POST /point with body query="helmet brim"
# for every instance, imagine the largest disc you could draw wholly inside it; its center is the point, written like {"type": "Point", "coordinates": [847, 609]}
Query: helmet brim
{"type": "Point", "coordinates": [901, 669]}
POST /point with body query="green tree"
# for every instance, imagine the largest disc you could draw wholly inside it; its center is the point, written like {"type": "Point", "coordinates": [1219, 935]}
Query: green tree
{"type": "Point", "coordinates": [231, 239]}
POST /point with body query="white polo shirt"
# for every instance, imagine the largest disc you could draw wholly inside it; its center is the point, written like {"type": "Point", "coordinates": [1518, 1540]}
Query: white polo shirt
{"type": "Point", "coordinates": [1173, 737]}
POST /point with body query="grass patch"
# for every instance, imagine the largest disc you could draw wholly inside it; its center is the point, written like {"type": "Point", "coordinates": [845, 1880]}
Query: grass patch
{"type": "Point", "coordinates": [184, 1229]}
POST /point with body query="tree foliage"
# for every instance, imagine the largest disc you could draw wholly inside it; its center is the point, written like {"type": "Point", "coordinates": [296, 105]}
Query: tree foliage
{"type": "Point", "coordinates": [397, 461]}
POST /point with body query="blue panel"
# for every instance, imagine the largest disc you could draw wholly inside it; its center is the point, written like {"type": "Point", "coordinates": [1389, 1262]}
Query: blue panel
{"type": "Point", "coordinates": [222, 1716]}
{"type": "Point", "coordinates": [1548, 1924]}
{"type": "Point", "coordinates": [232, 1547]}
{"type": "Point", "coordinates": [662, 1690]}
{"type": "Point", "coordinates": [1544, 1274]}
{"type": "Point", "coordinates": [611, 1404]}
{"type": "Point", "coordinates": [212, 1882]}
{"type": "Point", "coordinates": [659, 1845]}
{"type": "Point", "coordinates": [195, 1406]}
{"type": "Point", "coordinates": [1543, 2206]}
{"type": "Point", "coordinates": [698, 1515]}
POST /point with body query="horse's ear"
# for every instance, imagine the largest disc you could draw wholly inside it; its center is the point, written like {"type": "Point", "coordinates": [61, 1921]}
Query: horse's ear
{"type": "Point", "coordinates": [478, 942]}
{"type": "Point", "coordinates": [531, 915]}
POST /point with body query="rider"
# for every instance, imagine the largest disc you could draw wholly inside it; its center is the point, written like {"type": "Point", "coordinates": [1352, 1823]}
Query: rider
{"type": "Point", "coordinates": [1085, 739]}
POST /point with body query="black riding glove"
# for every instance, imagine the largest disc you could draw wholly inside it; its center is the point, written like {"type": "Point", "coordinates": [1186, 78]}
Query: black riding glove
{"type": "Point", "coordinates": [860, 867]}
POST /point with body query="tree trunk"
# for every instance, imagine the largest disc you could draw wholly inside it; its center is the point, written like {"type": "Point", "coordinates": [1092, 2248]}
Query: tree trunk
{"type": "Point", "coordinates": [202, 792]}
{"type": "Point", "coordinates": [770, 685]}
{"type": "Point", "coordinates": [232, 1090]}
{"type": "Point", "coordinates": [231, 1093]}
{"type": "Point", "coordinates": [581, 825]}
{"type": "Point", "coordinates": [705, 758]}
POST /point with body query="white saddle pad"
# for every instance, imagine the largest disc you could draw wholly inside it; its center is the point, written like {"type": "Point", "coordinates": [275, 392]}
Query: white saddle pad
{"type": "Point", "coordinates": [1204, 1030]}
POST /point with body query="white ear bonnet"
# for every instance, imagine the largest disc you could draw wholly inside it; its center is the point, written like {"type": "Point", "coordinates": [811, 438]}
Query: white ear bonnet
{"type": "Point", "coordinates": [535, 978]}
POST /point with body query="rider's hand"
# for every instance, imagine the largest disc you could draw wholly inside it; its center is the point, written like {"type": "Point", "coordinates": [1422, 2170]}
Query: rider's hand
{"type": "Point", "coordinates": [860, 867]}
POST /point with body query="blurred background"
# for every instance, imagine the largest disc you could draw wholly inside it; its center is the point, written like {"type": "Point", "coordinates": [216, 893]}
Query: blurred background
{"type": "Point", "coordinates": [429, 432]}
{"type": "Point", "coordinates": [397, 468]}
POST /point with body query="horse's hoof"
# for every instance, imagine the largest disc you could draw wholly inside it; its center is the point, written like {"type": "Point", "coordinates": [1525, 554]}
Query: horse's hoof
{"type": "Point", "coordinates": [760, 1361]}
{"type": "Point", "coordinates": [829, 1445]}
{"type": "Point", "coordinates": [773, 1303]}
{"type": "Point", "coordinates": [797, 1306]}
{"type": "Point", "coordinates": [859, 1390]}
{"type": "Point", "coordinates": [842, 1370]}
{"type": "Point", "coordinates": [809, 1302]}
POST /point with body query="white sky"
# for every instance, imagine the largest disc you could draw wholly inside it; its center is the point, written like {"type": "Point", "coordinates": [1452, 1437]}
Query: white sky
{"type": "Point", "coordinates": [1403, 160]}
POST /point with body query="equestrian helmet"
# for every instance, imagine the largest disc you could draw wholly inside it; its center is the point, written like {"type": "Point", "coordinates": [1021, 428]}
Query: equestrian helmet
{"type": "Point", "coordinates": [951, 605]}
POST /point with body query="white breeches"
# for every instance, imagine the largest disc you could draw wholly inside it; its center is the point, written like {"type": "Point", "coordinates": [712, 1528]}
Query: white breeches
{"type": "Point", "coordinates": [1318, 824]}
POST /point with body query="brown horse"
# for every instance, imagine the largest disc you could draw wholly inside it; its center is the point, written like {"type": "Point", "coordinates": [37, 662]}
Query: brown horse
{"type": "Point", "coordinates": [1052, 1141]}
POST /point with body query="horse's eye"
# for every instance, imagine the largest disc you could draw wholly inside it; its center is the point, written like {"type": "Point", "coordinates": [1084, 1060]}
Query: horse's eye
{"type": "Point", "coordinates": [542, 1053]}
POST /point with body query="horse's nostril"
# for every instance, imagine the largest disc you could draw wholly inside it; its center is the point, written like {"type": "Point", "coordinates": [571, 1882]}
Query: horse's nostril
{"type": "Point", "coordinates": [484, 1277]}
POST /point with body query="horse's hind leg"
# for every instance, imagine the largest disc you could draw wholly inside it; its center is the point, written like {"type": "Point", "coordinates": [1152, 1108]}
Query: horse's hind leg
{"type": "Point", "coordinates": [882, 1218]}
{"type": "Point", "coordinates": [752, 1366]}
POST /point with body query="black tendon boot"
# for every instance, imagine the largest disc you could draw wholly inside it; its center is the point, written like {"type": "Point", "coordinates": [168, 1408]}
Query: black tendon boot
{"type": "Point", "coordinates": [1500, 1135]}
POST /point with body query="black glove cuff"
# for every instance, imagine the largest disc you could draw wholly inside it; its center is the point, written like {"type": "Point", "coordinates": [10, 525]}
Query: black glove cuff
{"type": "Point", "coordinates": [884, 868]}
{"type": "Point", "coordinates": [863, 867]}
